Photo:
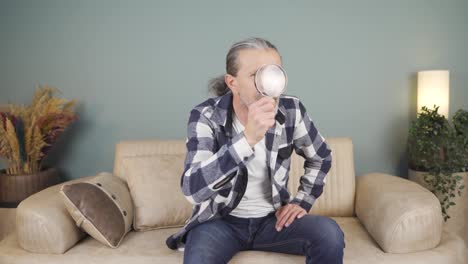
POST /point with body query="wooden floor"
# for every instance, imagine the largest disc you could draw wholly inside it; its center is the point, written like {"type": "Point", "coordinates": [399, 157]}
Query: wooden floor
{"type": "Point", "coordinates": [7, 221]}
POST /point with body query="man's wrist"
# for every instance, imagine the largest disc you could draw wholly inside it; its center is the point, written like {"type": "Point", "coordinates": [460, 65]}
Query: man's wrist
{"type": "Point", "coordinates": [251, 143]}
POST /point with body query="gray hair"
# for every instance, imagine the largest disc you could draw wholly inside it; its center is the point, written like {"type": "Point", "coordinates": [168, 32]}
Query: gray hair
{"type": "Point", "coordinates": [217, 85]}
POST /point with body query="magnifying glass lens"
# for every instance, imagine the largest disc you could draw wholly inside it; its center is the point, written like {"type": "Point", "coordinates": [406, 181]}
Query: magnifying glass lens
{"type": "Point", "coordinates": [271, 80]}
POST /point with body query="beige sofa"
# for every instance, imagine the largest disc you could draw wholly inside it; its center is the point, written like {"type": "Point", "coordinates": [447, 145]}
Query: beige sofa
{"type": "Point", "coordinates": [386, 219]}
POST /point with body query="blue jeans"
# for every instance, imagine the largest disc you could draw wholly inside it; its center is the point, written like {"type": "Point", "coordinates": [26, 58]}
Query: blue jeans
{"type": "Point", "coordinates": [319, 238]}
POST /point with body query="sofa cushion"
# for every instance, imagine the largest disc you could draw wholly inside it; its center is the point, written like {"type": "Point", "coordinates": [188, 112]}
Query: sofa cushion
{"type": "Point", "coordinates": [154, 183]}
{"type": "Point", "coordinates": [150, 247]}
{"type": "Point", "coordinates": [338, 195]}
{"type": "Point", "coordinates": [400, 215]}
{"type": "Point", "coordinates": [101, 206]}
{"type": "Point", "coordinates": [43, 224]}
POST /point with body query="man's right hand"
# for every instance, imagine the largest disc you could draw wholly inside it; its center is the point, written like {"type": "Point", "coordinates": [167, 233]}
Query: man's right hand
{"type": "Point", "coordinates": [260, 118]}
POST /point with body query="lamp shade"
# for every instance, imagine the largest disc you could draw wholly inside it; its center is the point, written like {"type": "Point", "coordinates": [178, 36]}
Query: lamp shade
{"type": "Point", "coordinates": [433, 89]}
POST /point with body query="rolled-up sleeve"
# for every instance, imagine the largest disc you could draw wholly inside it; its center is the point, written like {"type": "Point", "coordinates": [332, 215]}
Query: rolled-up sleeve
{"type": "Point", "coordinates": [311, 145]}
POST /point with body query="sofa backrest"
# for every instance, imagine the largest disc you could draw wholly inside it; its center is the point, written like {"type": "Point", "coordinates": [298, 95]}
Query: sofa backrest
{"type": "Point", "coordinates": [337, 198]}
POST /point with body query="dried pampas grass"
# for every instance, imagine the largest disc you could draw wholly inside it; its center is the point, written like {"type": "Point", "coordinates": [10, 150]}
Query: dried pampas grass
{"type": "Point", "coordinates": [28, 132]}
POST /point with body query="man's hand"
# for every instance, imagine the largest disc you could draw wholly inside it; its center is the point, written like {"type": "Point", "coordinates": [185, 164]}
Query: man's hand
{"type": "Point", "coordinates": [287, 214]}
{"type": "Point", "coordinates": [260, 118]}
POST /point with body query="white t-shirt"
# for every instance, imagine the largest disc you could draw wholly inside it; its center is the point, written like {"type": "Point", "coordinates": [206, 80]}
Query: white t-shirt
{"type": "Point", "coordinates": [257, 200]}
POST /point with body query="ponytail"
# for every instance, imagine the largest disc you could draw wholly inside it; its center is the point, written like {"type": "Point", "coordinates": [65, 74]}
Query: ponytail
{"type": "Point", "coordinates": [218, 86]}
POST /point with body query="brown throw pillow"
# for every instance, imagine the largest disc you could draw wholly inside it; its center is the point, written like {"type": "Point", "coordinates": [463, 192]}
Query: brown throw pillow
{"type": "Point", "coordinates": [102, 207]}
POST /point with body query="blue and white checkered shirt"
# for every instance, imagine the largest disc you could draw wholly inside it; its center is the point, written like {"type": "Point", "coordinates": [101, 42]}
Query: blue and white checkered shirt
{"type": "Point", "coordinates": [215, 173]}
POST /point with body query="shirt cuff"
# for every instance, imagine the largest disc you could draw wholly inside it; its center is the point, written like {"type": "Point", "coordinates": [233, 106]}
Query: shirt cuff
{"type": "Point", "coordinates": [304, 201]}
{"type": "Point", "coordinates": [241, 148]}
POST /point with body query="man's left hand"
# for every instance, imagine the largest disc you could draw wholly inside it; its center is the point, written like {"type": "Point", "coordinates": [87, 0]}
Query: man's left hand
{"type": "Point", "coordinates": [287, 214]}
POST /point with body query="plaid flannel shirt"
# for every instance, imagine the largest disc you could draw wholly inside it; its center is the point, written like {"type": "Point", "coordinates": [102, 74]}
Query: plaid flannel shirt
{"type": "Point", "coordinates": [215, 174]}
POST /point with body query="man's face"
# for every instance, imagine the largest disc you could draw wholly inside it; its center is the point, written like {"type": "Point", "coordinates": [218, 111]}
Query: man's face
{"type": "Point", "coordinates": [250, 60]}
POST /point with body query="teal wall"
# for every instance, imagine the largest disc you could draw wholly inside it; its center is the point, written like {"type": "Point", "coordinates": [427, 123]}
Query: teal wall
{"type": "Point", "coordinates": [138, 67]}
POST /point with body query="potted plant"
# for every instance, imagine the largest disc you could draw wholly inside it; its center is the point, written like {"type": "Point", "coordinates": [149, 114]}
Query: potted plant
{"type": "Point", "coordinates": [438, 159]}
{"type": "Point", "coordinates": [27, 134]}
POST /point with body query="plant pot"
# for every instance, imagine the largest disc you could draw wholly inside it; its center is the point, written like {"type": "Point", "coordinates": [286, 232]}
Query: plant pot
{"type": "Point", "coordinates": [459, 212]}
{"type": "Point", "coordinates": [15, 188]}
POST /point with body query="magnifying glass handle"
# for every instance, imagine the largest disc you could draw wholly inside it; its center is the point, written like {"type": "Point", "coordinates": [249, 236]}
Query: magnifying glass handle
{"type": "Point", "coordinates": [276, 103]}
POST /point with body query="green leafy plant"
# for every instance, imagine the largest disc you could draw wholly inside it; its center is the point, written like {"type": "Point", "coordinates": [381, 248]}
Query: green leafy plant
{"type": "Point", "coordinates": [460, 124]}
{"type": "Point", "coordinates": [440, 149]}
{"type": "Point", "coordinates": [27, 133]}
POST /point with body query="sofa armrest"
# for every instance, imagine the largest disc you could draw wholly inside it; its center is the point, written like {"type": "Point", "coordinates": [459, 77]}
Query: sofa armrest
{"type": "Point", "coordinates": [399, 214]}
{"type": "Point", "coordinates": [43, 224]}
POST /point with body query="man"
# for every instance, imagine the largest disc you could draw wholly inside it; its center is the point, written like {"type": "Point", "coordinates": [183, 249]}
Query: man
{"type": "Point", "coordinates": [236, 171]}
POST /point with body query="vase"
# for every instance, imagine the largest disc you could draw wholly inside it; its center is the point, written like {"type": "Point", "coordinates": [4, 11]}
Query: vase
{"type": "Point", "coordinates": [458, 212]}
{"type": "Point", "coordinates": [15, 188]}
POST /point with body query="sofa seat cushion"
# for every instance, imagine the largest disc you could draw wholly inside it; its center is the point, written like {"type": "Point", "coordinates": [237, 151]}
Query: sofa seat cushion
{"type": "Point", "coordinates": [149, 247]}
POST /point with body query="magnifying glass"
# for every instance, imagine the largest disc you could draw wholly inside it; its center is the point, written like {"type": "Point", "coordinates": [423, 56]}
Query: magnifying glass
{"type": "Point", "coordinates": [271, 80]}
